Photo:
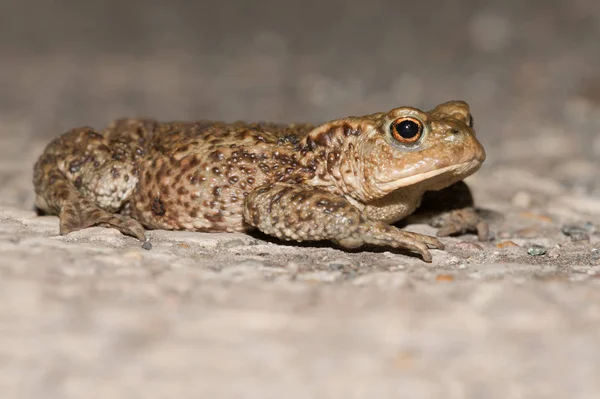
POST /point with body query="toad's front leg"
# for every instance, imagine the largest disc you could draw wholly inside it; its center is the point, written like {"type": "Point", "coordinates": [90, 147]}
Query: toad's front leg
{"type": "Point", "coordinates": [303, 213]}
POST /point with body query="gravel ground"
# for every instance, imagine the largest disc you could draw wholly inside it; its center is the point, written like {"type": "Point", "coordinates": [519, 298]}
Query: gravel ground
{"type": "Point", "coordinates": [93, 315]}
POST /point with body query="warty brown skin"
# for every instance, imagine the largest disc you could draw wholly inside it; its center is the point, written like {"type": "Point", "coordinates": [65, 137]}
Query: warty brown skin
{"type": "Point", "coordinates": [344, 181]}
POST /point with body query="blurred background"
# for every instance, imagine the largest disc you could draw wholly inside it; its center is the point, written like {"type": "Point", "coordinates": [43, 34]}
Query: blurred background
{"type": "Point", "coordinates": [529, 69]}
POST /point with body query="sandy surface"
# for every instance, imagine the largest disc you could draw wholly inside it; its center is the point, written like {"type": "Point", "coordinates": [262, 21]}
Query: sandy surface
{"type": "Point", "coordinates": [92, 315]}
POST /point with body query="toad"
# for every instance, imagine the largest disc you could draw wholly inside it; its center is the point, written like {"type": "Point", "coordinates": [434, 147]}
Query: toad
{"type": "Point", "coordinates": [346, 181]}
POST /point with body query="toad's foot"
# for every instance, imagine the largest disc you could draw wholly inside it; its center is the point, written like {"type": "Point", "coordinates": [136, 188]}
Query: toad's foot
{"type": "Point", "coordinates": [56, 195]}
{"type": "Point", "coordinates": [304, 213]}
{"type": "Point", "coordinates": [461, 221]}
{"type": "Point", "coordinates": [452, 211]}
{"type": "Point", "coordinates": [80, 213]}
{"type": "Point", "coordinates": [377, 233]}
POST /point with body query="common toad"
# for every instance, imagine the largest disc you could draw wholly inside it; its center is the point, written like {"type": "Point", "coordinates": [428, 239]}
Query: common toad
{"type": "Point", "coordinates": [345, 181]}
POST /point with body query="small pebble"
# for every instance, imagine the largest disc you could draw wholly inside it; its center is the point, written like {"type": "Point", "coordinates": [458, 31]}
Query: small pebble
{"type": "Point", "coordinates": [147, 245]}
{"type": "Point", "coordinates": [468, 246]}
{"type": "Point", "coordinates": [554, 252]}
{"type": "Point", "coordinates": [595, 254]}
{"type": "Point", "coordinates": [444, 278]}
{"type": "Point", "coordinates": [336, 266]}
{"type": "Point", "coordinates": [506, 244]}
{"type": "Point", "coordinates": [537, 250]}
{"type": "Point", "coordinates": [576, 233]}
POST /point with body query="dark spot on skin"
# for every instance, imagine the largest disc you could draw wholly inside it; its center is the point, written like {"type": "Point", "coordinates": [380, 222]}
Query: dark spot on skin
{"type": "Point", "coordinates": [114, 171]}
{"type": "Point", "coordinates": [217, 191]}
{"type": "Point", "coordinates": [126, 177]}
{"type": "Point", "coordinates": [118, 155]}
{"type": "Point", "coordinates": [216, 171]}
{"type": "Point", "coordinates": [194, 162]}
{"type": "Point", "coordinates": [288, 138]}
{"type": "Point", "coordinates": [349, 130]}
{"type": "Point", "coordinates": [78, 182]}
{"type": "Point", "coordinates": [182, 191]}
{"type": "Point", "coordinates": [139, 151]}
{"type": "Point", "coordinates": [277, 197]}
{"type": "Point", "coordinates": [184, 148]}
{"type": "Point", "coordinates": [289, 171]}
{"type": "Point", "coordinates": [250, 180]}
{"type": "Point", "coordinates": [233, 179]}
{"type": "Point", "coordinates": [179, 175]}
{"type": "Point", "coordinates": [325, 138]}
{"type": "Point", "coordinates": [75, 165]}
{"type": "Point", "coordinates": [175, 164]}
{"type": "Point", "coordinates": [333, 156]}
{"type": "Point", "coordinates": [264, 168]}
{"type": "Point", "coordinates": [299, 197]}
{"type": "Point", "coordinates": [158, 208]}
{"type": "Point", "coordinates": [193, 213]}
{"type": "Point", "coordinates": [96, 164]}
{"type": "Point", "coordinates": [217, 156]}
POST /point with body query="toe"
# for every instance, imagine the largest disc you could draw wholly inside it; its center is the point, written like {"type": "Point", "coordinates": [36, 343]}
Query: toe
{"type": "Point", "coordinates": [126, 226]}
{"type": "Point", "coordinates": [483, 231]}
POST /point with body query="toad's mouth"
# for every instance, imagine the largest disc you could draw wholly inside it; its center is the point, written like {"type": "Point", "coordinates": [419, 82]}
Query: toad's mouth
{"type": "Point", "coordinates": [435, 179]}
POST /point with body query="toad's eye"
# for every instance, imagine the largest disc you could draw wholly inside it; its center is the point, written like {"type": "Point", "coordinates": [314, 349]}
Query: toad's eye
{"type": "Point", "coordinates": [407, 130]}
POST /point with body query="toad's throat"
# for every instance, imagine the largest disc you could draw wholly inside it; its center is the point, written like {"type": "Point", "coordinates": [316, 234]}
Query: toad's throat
{"type": "Point", "coordinates": [435, 179]}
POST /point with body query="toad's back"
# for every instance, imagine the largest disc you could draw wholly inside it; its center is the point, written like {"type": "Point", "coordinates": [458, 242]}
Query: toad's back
{"type": "Point", "coordinates": [195, 176]}
{"type": "Point", "coordinates": [178, 175]}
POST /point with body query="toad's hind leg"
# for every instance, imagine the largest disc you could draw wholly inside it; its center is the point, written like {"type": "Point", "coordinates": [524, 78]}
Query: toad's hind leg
{"type": "Point", "coordinates": [303, 213]}
{"type": "Point", "coordinates": [85, 177]}
{"type": "Point", "coordinates": [76, 212]}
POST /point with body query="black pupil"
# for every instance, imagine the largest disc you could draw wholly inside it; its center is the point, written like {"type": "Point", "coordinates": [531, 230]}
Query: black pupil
{"type": "Point", "coordinates": [407, 129]}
